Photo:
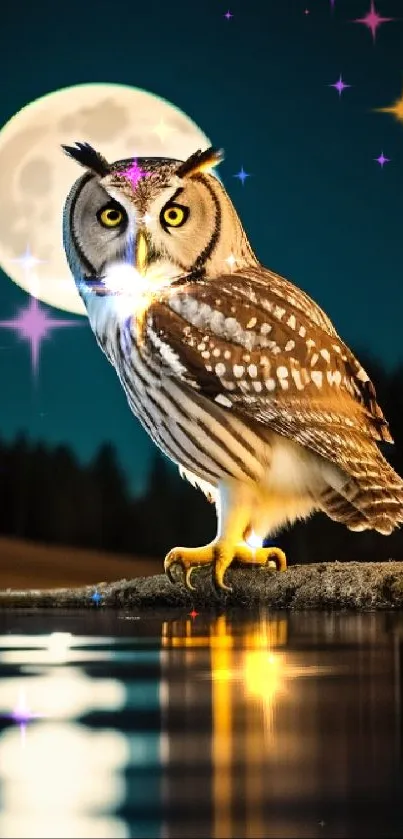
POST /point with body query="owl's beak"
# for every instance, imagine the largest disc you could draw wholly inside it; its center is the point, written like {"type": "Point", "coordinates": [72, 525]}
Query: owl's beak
{"type": "Point", "coordinates": [141, 252]}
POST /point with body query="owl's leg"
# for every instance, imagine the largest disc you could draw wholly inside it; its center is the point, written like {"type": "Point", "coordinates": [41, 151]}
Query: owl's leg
{"type": "Point", "coordinates": [234, 509]}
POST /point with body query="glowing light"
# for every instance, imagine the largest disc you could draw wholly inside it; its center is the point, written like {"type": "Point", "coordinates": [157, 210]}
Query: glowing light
{"type": "Point", "coordinates": [27, 261]}
{"type": "Point", "coordinates": [22, 715]}
{"type": "Point", "coordinates": [162, 130]}
{"type": "Point", "coordinates": [254, 541]}
{"type": "Point", "coordinates": [64, 692]}
{"type": "Point", "coordinates": [372, 20]}
{"type": "Point", "coordinates": [340, 85]}
{"type": "Point", "coordinates": [59, 644]}
{"type": "Point", "coordinates": [231, 260]}
{"type": "Point", "coordinates": [134, 173]}
{"type": "Point", "coordinates": [228, 15]}
{"type": "Point", "coordinates": [33, 324]}
{"type": "Point", "coordinates": [242, 175]}
{"type": "Point", "coordinates": [147, 219]}
{"type": "Point", "coordinates": [382, 160]}
{"type": "Point", "coordinates": [67, 785]}
{"type": "Point", "coordinates": [396, 109]}
{"type": "Point", "coordinates": [264, 675]}
{"type": "Point", "coordinates": [96, 597]}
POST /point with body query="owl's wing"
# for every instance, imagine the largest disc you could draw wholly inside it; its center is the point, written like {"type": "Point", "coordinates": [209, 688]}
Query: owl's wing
{"type": "Point", "coordinates": [269, 357]}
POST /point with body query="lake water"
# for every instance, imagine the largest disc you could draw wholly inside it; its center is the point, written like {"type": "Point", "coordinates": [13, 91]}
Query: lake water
{"type": "Point", "coordinates": [241, 725]}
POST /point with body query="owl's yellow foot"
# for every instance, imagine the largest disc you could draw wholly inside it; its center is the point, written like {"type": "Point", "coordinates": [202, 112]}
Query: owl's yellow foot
{"type": "Point", "coordinates": [219, 554]}
{"type": "Point", "coordinates": [271, 557]}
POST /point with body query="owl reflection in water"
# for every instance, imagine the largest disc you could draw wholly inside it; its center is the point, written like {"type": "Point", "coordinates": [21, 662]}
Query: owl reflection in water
{"type": "Point", "coordinates": [235, 373]}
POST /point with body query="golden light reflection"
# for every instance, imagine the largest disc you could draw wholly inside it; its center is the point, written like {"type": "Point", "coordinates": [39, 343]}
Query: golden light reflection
{"type": "Point", "coordinates": [254, 679]}
{"type": "Point", "coordinates": [244, 663]}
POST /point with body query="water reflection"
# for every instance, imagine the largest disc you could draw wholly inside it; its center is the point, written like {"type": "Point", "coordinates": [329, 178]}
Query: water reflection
{"type": "Point", "coordinates": [274, 725]}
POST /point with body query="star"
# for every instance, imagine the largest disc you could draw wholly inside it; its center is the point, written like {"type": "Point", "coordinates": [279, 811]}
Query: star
{"type": "Point", "coordinates": [396, 109]}
{"type": "Point", "coordinates": [147, 219]}
{"type": "Point", "coordinates": [96, 597]}
{"type": "Point", "coordinates": [193, 613]}
{"type": "Point", "coordinates": [22, 715]}
{"type": "Point", "coordinates": [33, 324]}
{"type": "Point", "coordinates": [340, 85]}
{"type": "Point", "coordinates": [27, 260]}
{"type": "Point", "coordinates": [228, 15]}
{"type": "Point", "coordinates": [231, 260]}
{"type": "Point", "coordinates": [332, 2]}
{"type": "Point", "coordinates": [242, 175]}
{"type": "Point", "coordinates": [382, 160]}
{"type": "Point", "coordinates": [372, 20]}
{"type": "Point", "coordinates": [162, 130]}
{"type": "Point", "coordinates": [134, 173]}
{"type": "Point", "coordinates": [306, 12]}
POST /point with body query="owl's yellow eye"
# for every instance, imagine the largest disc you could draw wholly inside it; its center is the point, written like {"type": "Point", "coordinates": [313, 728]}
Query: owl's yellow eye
{"type": "Point", "coordinates": [174, 215]}
{"type": "Point", "coordinates": [111, 217]}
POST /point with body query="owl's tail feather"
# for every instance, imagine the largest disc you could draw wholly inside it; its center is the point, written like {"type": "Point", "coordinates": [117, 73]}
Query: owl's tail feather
{"type": "Point", "coordinates": [370, 500]}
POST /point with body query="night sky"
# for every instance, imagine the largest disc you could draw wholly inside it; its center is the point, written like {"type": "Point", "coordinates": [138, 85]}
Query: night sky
{"type": "Point", "coordinates": [317, 206]}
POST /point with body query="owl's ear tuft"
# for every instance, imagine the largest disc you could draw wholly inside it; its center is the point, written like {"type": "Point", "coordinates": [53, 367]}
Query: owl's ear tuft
{"type": "Point", "coordinates": [200, 161]}
{"type": "Point", "coordinates": [86, 156]}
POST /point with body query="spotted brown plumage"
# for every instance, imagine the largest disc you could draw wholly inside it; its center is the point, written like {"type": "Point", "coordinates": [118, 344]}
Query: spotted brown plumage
{"type": "Point", "coordinates": [276, 362]}
{"type": "Point", "coordinates": [269, 360]}
{"type": "Point", "coordinates": [236, 374]}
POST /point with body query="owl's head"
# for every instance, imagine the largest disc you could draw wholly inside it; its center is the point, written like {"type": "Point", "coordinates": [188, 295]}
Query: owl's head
{"type": "Point", "coordinates": [165, 217]}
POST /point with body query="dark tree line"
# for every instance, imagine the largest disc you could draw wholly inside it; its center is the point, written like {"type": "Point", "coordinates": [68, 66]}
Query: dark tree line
{"type": "Point", "coordinates": [48, 496]}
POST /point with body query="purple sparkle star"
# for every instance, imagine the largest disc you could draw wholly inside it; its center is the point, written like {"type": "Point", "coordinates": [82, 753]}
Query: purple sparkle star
{"type": "Point", "coordinates": [134, 173]}
{"type": "Point", "coordinates": [382, 159]}
{"type": "Point", "coordinates": [22, 716]}
{"type": "Point", "coordinates": [340, 85]}
{"type": "Point", "coordinates": [33, 324]}
{"type": "Point", "coordinates": [372, 20]}
{"type": "Point", "coordinates": [228, 15]}
{"type": "Point", "coordinates": [241, 175]}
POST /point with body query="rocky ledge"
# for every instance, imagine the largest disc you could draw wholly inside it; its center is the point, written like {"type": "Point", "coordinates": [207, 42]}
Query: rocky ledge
{"type": "Point", "coordinates": [340, 585]}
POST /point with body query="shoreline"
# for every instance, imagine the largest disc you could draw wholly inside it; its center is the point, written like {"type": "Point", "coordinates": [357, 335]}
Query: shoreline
{"type": "Point", "coordinates": [353, 586]}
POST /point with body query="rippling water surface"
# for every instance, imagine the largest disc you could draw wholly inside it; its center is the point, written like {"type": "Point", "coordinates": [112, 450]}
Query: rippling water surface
{"type": "Point", "coordinates": [241, 725]}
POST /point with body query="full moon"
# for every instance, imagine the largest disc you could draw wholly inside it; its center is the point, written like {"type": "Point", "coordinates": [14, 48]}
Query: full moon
{"type": "Point", "coordinates": [36, 176]}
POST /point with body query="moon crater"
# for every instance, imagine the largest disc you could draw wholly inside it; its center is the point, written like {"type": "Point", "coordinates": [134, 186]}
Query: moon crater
{"type": "Point", "coordinates": [36, 177]}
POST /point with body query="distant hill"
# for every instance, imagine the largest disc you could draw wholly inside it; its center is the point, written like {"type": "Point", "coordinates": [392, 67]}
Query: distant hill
{"type": "Point", "coordinates": [31, 565]}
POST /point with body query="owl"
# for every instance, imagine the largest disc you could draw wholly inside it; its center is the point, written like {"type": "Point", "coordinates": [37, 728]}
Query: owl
{"type": "Point", "coordinates": [236, 374]}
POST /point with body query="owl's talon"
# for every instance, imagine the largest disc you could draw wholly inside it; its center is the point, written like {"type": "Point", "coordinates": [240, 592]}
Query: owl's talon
{"type": "Point", "coordinates": [277, 556]}
{"type": "Point", "coordinates": [188, 559]}
{"type": "Point", "coordinates": [170, 575]}
{"type": "Point", "coordinates": [270, 558]}
{"type": "Point", "coordinates": [169, 563]}
{"type": "Point", "coordinates": [188, 575]}
{"type": "Point", "coordinates": [218, 583]}
{"type": "Point", "coordinates": [216, 554]}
